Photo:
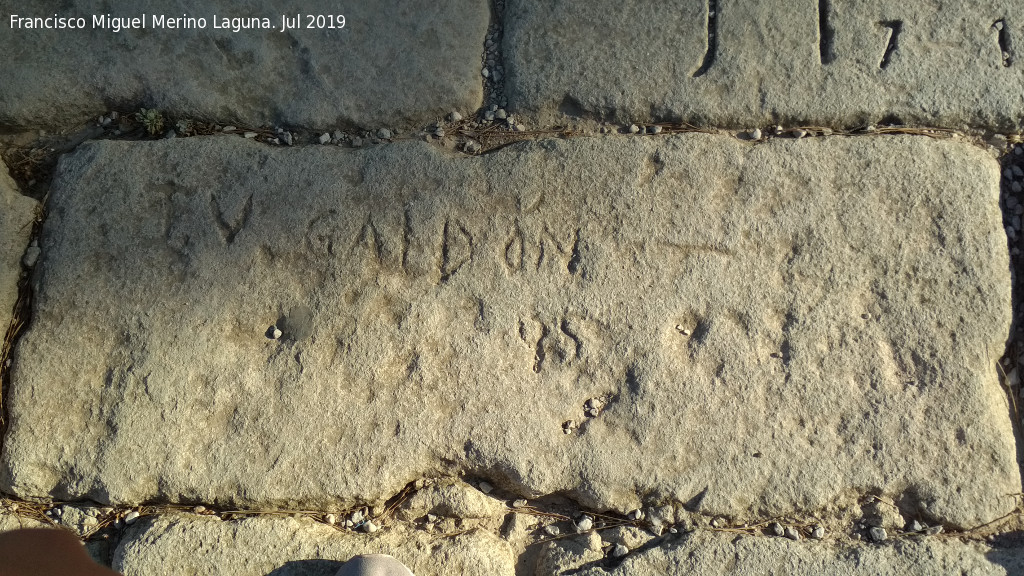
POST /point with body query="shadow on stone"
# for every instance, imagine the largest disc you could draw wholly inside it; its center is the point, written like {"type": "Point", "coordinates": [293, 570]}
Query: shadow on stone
{"type": "Point", "coordinates": [308, 568]}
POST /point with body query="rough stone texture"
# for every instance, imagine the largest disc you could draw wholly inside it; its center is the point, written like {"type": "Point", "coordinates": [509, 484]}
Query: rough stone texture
{"type": "Point", "coordinates": [396, 63]}
{"type": "Point", "coordinates": [710, 554]}
{"type": "Point", "coordinates": [17, 213]}
{"type": "Point", "coordinates": [817, 320]}
{"type": "Point", "coordinates": [9, 522]}
{"type": "Point", "coordinates": [190, 545]}
{"type": "Point", "coordinates": [636, 62]}
{"type": "Point", "coordinates": [451, 499]}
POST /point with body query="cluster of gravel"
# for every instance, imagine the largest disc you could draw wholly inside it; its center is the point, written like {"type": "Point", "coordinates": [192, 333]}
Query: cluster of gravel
{"type": "Point", "coordinates": [1012, 203]}
{"type": "Point", "coordinates": [492, 66]}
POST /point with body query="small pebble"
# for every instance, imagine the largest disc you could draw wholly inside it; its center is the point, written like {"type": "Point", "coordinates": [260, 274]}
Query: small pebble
{"type": "Point", "coordinates": [431, 518]}
{"type": "Point", "coordinates": [131, 517]}
{"type": "Point", "coordinates": [998, 25]}
{"type": "Point", "coordinates": [520, 128]}
{"type": "Point", "coordinates": [869, 128]}
{"type": "Point", "coordinates": [1019, 150]}
{"type": "Point", "coordinates": [485, 73]}
{"type": "Point", "coordinates": [619, 551]}
{"type": "Point", "coordinates": [791, 533]}
{"type": "Point", "coordinates": [274, 333]}
{"type": "Point", "coordinates": [370, 527]}
{"type": "Point", "coordinates": [331, 519]}
{"type": "Point", "coordinates": [818, 533]}
{"type": "Point", "coordinates": [776, 529]}
{"type": "Point", "coordinates": [455, 116]}
{"type": "Point", "coordinates": [933, 530]}
{"type": "Point", "coordinates": [31, 256]}
{"type": "Point", "coordinates": [493, 107]}
{"type": "Point", "coordinates": [519, 503]}
{"type": "Point", "coordinates": [90, 521]}
{"type": "Point", "coordinates": [357, 141]}
{"type": "Point", "coordinates": [489, 116]}
{"type": "Point", "coordinates": [916, 526]}
{"type": "Point", "coordinates": [384, 134]}
{"type": "Point", "coordinates": [250, 135]}
{"type": "Point", "coordinates": [654, 129]}
{"type": "Point", "coordinates": [500, 114]}
{"type": "Point", "coordinates": [338, 136]}
{"type": "Point", "coordinates": [486, 488]}
{"type": "Point", "coordinates": [228, 129]}
{"type": "Point", "coordinates": [287, 138]}
{"type": "Point", "coordinates": [799, 133]}
{"type": "Point", "coordinates": [755, 134]}
{"type": "Point", "coordinates": [472, 147]}
{"type": "Point", "coordinates": [718, 522]}
{"type": "Point", "coordinates": [635, 515]}
{"type": "Point", "coordinates": [878, 534]}
{"type": "Point", "coordinates": [633, 128]}
{"type": "Point", "coordinates": [199, 509]}
{"type": "Point", "coordinates": [357, 516]}
{"type": "Point", "coordinates": [552, 530]}
{"type": "Point", "coordinates": [584, 524]}
{"type": "Point", "coordinates": [325, 138]}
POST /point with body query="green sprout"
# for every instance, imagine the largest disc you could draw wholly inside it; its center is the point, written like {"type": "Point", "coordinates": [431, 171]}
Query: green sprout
{"type": "Point", "coordinates": [151, 119]}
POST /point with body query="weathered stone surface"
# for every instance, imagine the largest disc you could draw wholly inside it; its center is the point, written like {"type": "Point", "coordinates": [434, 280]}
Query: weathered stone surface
{"type": "Point", "coordinates": [10, 522]}
{"type": "Point", "coordinates": [292, 547]}
{"type": "Point", "coordinates": [395, 63]}
{"type": "Point", "coordinates": [710, 554]}
{"type": "Point", "coordinates": [17, 213]}
{"type": "Point", "coordinates": [771, 61]}
{"type": "Point", "coordinates": [452, 499]}
{"type": "Point", "coordinates": [774, 328]}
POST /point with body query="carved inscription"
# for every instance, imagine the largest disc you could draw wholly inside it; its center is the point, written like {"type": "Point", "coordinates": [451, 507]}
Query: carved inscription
{"type": "Point", "coordinates": [893, 43]}
{"type": "Point", "coordinates": [456, 249]}
{"type": "Point", "coordinates": [558, 340]}
{"type": "Point", "coordinates": [712, 51]}
{"type": "Point", "coordinates": [230, 229]}
{"type": "Point", "coordinates": [1003, 38]}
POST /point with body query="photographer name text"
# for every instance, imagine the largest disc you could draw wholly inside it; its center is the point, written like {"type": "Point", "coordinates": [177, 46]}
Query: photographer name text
{"type": "Point", "coordinates": [283, 23]}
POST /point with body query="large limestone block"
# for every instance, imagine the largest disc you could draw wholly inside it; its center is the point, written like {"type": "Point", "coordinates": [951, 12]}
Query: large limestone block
{"type": "Point", "coordinates": [176, 544]}
{"type": "Point", "coordinates": [17, 213]}
{"type": "Point", "coordinates": [396, 63]}
{"type": "Point", "coordinates": [823, 62]}
{"type": "Point", "coordinates": [771, 328]}
{"type": "Point", "coordinates": [713, 554]}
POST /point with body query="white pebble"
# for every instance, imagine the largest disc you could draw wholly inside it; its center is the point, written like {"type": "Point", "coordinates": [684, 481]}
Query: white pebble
{"type": "Point", "coordinates": [90, 521]}
{"type": "Point", "coordinates": [325, 138]}
{"type": "Point", "coordinates": [619, 551]}
{"type": "Point", "coordinates": [131, 517]}
{"type": "Point", "coordinates": [384, 134]}
{"type": "Point", "coordinates": [501, 114]}
{"type": "Point", "coordinates": [520, 128]}
{"type": "Point", "coordinates": [357, 516]}
{"type": "Point", "coordinates": [818, 533]}
{"type": "Point", "coordinates": [199, 509]}
{"type": "Point", "coordinates": [633, 128]}
{"type": "Point", "coordinates": [776, 529]}
{"type": "Point", "coordinates": [489, 116]}
{"type": "Point", "coordinates": [916, 526]}
{"type": "Point", "coordinates": [791, 533]}
{"type": "Point", "coordinates": [331, 519]}
{"type": "Point", "coordinates": [250, 135]}
{"type": "Point", "coordinates": [635, 515]}
{"type": "Point", "coordinates": [485, 73]}
{"type": "Point", "coordinates": [519, 503]}
{"type": "Point", "coordinates": [228, 129]}
{"type": "Point", "coordinates": [370, 527]}
{"type": "Point", "coordinates": [755, 134]}
{"type": "Point", "coordinates": [584, 524]}
{"type": "Point", "coordinates": [879, 534]}
{"type": "Point", "coordinates": [799, 133]}
{"type": "Point", "coordinates": [655, 129]}
{"type": "Point", "coordinates": [455, 116]}
{"type": "Point", "coordinates": [552, 530]}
